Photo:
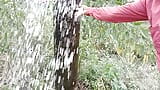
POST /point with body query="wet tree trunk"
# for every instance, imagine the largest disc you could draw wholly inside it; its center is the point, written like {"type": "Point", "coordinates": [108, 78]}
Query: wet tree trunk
{"type": "Point", "coordinates": [66, 44]}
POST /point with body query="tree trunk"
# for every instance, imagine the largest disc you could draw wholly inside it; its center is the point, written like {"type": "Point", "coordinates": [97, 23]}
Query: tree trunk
{"type": "Point", "coordinates": [66, 44]}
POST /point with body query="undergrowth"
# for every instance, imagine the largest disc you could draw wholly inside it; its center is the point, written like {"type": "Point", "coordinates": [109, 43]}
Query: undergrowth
{"type": "Point", "coordinates": [116, 56]}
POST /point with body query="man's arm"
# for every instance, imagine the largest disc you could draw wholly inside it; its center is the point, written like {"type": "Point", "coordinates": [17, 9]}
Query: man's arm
{"type": "Point", "coordinates": [135, 11]}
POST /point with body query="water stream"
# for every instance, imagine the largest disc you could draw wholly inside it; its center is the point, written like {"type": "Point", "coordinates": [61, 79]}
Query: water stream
{"type": "Point", "coordinates": [30, 61]}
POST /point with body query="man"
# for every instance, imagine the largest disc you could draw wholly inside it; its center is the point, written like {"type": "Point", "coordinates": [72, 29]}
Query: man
{"type": "Point", "coordinates": [136, 11]}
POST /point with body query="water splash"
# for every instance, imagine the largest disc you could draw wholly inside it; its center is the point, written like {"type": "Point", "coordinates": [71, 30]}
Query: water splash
{"type": "Point", "coordinates": [32, 65]}
{"type": "Point", "coordinates": [27, 58]}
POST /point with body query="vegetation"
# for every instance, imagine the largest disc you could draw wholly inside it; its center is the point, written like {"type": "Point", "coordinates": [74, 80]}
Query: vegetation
{"type": "Point", "coordinates": [112, 56]}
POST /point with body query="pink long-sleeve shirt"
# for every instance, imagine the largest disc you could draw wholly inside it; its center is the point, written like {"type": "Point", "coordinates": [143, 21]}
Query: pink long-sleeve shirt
{"type": "Point", "coordinates": [136, 11]}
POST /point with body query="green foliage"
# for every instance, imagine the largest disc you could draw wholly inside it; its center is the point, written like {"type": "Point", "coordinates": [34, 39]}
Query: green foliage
{"type": "Point", "coordinates": [4, 88]}
{"type": "Point", "coordinates": [125, 39]}
{"type": "Point", "coordinates": [11, 18]}
{"type": "Point", "coordinates": [101, 40]}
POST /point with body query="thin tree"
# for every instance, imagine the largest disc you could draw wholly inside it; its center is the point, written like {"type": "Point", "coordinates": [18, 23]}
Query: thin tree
{"type": "Point", "coordinates": [66, 44]}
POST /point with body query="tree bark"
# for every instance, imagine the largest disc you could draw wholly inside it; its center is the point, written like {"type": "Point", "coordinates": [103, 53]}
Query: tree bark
{"type": "Point", "coordinates": [66, 44]}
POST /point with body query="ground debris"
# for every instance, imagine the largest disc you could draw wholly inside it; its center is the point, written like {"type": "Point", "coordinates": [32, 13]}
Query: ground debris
{"type": "Point", "coordinates": [81, 85]}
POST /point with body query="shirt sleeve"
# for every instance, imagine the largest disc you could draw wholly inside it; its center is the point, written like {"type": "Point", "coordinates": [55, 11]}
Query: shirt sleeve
{"type": "Point", "coordinates": [135, 11]}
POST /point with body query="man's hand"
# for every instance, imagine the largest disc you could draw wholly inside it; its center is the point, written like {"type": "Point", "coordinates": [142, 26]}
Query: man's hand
{"type": "Point", "coordinates": [85, 9]}
{"type": "Point", "coordinates": [81, 11]}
